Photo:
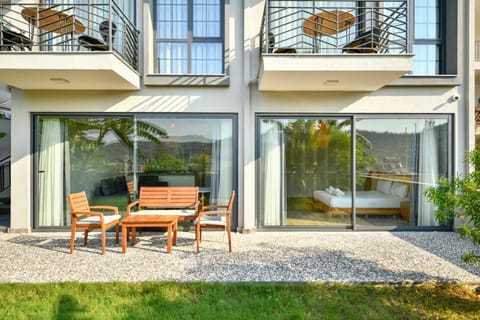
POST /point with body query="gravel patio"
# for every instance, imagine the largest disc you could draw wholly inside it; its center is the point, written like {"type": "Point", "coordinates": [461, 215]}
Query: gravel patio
{"type": "Point", "coordinates": [347, 257]}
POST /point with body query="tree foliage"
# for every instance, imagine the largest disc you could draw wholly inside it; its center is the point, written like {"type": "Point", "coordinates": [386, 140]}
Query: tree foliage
{"type": "Point", "coordinates": [460, 198]}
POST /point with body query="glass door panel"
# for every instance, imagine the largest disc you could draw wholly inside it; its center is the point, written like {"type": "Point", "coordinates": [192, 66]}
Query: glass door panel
{"type": "Point", "coordinates": [397, 159]}
{"type": "Point", "coordinates": [304, 163]}
{"type": "Point", "coordinates": [81, 153]}
{"type": "Point", "coordinates": [191, 151]}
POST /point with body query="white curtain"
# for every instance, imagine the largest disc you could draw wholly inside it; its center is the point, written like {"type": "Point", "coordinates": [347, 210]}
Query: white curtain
{"type": "Point", "coordinates": [222, 162]}
{"type": "Point", "coordinates": [428, 173]}
{"type": "Point", "coordinates": [271, 171]}
{"type": "Point", "coordinates": [51, 211]}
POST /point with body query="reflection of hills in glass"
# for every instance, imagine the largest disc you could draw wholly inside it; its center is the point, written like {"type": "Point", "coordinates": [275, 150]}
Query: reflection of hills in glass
{"type": "Point", "coordinates": [179, 146]}
{"type": "Point", "coordinates": [189, 138]}
{"type": "Point", "coordinates": [388, 145]}
{"type": "Point", "coordinates": [402, 146]}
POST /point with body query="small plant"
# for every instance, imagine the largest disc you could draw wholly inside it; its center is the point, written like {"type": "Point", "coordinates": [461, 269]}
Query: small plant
{"type": "Point", "coordinates": [460, 198]}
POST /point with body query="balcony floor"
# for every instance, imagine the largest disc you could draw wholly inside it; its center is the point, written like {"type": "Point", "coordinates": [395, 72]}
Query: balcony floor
{"type": "Point", "coordinates": [67, 71]}
{"type": "Point", "coordinates": [335, 72]}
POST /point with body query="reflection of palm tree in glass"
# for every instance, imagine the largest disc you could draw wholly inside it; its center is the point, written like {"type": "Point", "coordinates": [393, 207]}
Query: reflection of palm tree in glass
{"type": "Point", "coordinates": [121, 128]}
{"type": "Point", "coordinates": [87, 136]}
{"type": "Point", "coordinates": [318, 151]}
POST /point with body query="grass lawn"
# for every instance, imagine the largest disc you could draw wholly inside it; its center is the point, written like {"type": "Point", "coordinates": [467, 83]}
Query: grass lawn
{"type": "Point", "coordinates": [172, 300]}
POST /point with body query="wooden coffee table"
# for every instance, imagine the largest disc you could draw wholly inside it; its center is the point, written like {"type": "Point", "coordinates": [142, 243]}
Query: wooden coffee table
{"type": "Point", "coordinates": [134, 221]}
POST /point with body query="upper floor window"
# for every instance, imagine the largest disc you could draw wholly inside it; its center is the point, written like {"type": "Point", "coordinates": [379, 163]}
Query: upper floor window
{"type": "Point", "coordinates": [190, 37]}
{"type": "Point", "coordinates": [428, 38]}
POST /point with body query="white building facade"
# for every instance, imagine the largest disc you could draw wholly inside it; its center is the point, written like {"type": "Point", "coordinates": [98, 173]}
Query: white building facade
{"type": "Point", "coordinates": [319, 114]}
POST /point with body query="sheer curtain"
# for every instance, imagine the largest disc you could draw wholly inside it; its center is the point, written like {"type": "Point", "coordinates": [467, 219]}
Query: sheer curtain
{"type": "Point", "coordinates": [51, 210]}
{"type": "Point", "coordinates": [271, 173]}
{"type": "Point", "coordinates": [428, 173]}
{"type": "Point", "coordinates": [222, 162]}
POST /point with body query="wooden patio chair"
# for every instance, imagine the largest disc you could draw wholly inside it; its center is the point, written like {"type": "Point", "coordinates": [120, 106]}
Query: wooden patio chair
{"type": "Point", "coordinates": [131, 190]}
{"type": "Point", "coordinates": [214, 217]}
{"type": "Point", "coordinates": [79, 208]}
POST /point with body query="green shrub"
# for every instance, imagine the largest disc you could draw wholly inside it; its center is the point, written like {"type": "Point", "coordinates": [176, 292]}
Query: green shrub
{"type": "Point", "coordinates": [460, 198]}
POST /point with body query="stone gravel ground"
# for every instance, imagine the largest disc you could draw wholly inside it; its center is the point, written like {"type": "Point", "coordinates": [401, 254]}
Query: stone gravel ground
{"type": "Point", "coordinates": [347, 257]}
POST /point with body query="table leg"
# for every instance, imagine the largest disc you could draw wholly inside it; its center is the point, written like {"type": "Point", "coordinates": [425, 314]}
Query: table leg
{"type": "Point", "coordinates": [169, 238]}
{"type": "Point", "coordinates": [175, 228]}
{"type": "Point", "coordinates": [124, 238]}
{"type": "Point", "coordinates": [134, 236]}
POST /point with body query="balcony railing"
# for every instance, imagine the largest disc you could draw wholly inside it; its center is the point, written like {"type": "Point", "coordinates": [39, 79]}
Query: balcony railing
{"type": "Point", "coordinates": [97, 26]}
{"type": "Point", "coordinates": [348, 27]}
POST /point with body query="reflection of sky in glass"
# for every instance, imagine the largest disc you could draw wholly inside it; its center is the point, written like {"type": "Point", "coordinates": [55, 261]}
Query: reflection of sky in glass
{"type": "Point", "coordinates": [395, 125]}
{"type": "Point", "coordinates": [205, 128]}
{"type": "Point", "coordinates": [426, 19]}
{"type": "Point", "coordinates": [192, 23]}
{"type": "Point", "coordinates": [426, 59]}
{"type": "Point", "coordinates": [427, 28]}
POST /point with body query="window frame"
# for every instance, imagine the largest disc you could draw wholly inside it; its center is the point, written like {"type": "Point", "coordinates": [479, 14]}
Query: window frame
{"type": "Point", "coordinates": [190, 40]}
{"type": "Point", "coordinates": [353, 170]}
{"type": "Point", "coordinates": [439, 42]}
{"type": "Point", "coordinates": [35, 147]}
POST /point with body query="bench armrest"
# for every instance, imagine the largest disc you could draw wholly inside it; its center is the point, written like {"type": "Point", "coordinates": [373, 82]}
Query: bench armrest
{"type": "Point", "coordinates": [130, 206]}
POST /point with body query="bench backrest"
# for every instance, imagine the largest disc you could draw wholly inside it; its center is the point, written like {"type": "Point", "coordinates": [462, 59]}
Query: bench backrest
{"type": "Point", "coordinates": [168, 197]}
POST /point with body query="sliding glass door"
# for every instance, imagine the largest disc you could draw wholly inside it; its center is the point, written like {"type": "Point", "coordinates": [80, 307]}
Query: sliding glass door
{"type": "Point", "coordinates": [100, 154]}
{"type": "Point", "coordinates": [305, 170]}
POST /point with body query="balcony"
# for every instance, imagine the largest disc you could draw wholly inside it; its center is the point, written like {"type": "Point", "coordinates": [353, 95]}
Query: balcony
{"type": "Point", "coordinates": [354, 46]}
{"type": "Point", "coordinates": [68, 47]}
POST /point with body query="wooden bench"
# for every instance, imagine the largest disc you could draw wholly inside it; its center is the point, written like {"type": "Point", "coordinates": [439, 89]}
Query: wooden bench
{"type": "Point", "coordinates": [179, 201]}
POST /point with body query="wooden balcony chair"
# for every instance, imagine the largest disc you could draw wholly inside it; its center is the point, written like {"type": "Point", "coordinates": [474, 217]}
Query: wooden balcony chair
{"type": "Point", "coordinates": [14, 41]}
{"type": "Point", "coordinates": [365, 42]}
{"type": "Point", "coordinates": [215, 217]}
{"type": "Point", "coordinates": [95, 44]}
{"type": "Point", "coordinates": [90, 220]}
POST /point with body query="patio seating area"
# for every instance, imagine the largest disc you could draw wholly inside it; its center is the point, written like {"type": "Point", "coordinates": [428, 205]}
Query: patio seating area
{"type": "Point", "coordinates": [156, 207]}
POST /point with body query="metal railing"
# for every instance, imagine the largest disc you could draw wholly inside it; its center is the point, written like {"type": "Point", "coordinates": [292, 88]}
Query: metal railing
{"type": "Point", "coordinates": [98, 26]}
{"type": "Point", "coordinates": [348, 27]}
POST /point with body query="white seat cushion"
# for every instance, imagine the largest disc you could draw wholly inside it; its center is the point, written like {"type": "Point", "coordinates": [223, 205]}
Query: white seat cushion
{"type": "Point", "coordinates": [96, 219]}
{"type": "Point", "coordinates": [213, 220]}
{"type": "Point", "coordinates": [166, 212]}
